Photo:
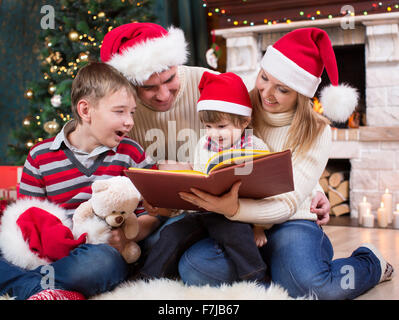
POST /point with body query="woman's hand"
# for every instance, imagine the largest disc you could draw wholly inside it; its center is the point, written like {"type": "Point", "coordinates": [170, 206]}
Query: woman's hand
{"type": "Point", "coordinates": [226, 204]}
{"type": "Point", "coordinates": [321, 206]}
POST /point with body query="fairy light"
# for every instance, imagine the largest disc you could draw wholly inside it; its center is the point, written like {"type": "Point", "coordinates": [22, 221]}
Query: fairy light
{"type": "Point", "coordinates": [301, 15]}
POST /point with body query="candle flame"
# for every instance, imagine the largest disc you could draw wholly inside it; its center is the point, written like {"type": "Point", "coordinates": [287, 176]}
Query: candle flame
{"type": "Point", "coordinates": [364, 199]}
{"type": "Point", "coordinates": [386, 190]}
{"type": "Point", "coordinates": [382, 204]}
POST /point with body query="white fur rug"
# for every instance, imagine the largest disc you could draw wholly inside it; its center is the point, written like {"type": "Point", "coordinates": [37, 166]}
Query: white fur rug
{"type": "Point", "coordinates": [165, 289]}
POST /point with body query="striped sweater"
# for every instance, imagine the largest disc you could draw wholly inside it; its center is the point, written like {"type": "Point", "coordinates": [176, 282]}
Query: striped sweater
{"type": "Point", "coordinates": [52, 171]}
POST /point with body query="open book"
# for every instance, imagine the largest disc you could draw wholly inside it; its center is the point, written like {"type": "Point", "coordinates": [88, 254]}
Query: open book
{"type": "Point", "coordinates": [262, 174]}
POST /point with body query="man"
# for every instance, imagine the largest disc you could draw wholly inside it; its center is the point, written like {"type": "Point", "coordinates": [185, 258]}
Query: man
{"type": "Point", "coordinates": [166, 121]}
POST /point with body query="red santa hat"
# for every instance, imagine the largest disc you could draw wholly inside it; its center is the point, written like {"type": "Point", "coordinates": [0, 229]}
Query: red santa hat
{"type": "Point", "coordinates": [138, 50]}
{"type": "Point", "coordinates": [298, 60]}
{"type": "Point", "coordinates": [224, 92]}
{"type": "Point", "coordinates": [35, 233]}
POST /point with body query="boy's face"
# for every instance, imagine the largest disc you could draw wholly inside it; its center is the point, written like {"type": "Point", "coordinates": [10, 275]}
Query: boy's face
{"type": "Point", "coordinates": [112, 118]}
{"type": "Point", "coordinates": [224, 132]}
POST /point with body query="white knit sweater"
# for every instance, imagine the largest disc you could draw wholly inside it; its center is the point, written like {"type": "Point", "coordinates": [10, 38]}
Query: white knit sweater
{"type": "Point", "coordinates": [307, 170]}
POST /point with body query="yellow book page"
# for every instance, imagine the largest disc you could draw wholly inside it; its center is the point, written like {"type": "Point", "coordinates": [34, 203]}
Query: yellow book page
{"type": "Point", "coordinates": [251, 154]}
{"type": "Point", "coordinates": [170, 171]}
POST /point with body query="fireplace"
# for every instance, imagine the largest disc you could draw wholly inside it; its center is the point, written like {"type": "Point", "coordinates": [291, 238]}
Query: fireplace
{"type": "Point", "coordinates": [368, 57]}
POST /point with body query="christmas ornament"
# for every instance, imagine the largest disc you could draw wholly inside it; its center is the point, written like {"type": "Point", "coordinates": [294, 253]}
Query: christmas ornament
{"type": "Point", "coordinates": [51, 127]}
{"type": "Point", "coordinates": [29, 144]}
{"type": "Point", "coordinates": [83, 56]}
{"type": "Point", "coordinates": [56, 100]}
{"type": "Point", "coordinates": [73, 36]}
{"type": "Point", "coordinates": [212, 55]}
{"type": "Point", "coordinates": [51, 88]}
{"type": "Point", "coordinates": [101, 14]}
{"type": "Point", "coordinates": [28, 94]}
{"type": "Point", "coordinates": [26, 121]}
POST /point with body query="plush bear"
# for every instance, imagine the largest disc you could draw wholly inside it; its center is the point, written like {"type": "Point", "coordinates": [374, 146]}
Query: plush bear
{"type": "Point", "coordinates": [112, 204]}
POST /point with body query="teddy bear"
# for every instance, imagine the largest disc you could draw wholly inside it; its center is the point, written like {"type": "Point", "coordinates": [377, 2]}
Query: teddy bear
{"type": "Point", "coordinates": [111, 205]}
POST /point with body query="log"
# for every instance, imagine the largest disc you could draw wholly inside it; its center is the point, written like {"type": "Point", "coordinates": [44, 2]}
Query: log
{"type": "Point", "coordinates": [335, 197]}
{"type": "Point", "coordinates": [343, 189]}
{"type": "Point", "coordinates": [326, 173]}
{"type": "Point", "coordinates": [324, 184]}
{"type": "Point", "coordinates": [340, 209]}
{"type": "Point", "coordinates": [337, 177]}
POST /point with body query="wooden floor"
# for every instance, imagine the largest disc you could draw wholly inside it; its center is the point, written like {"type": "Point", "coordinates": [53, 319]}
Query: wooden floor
{"type": "Point", "coordinates": [346, 239]}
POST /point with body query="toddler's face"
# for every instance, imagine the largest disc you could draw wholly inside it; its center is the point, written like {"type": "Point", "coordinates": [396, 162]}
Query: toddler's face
{"type": "Point", "coordinates": [224, 132]}
{"type": "Point", "coordinates": [112, 118]}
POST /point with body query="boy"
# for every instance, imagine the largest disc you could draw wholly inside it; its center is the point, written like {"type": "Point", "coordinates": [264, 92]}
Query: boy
{"type": "Point", "coordinates": [94, 145]}
{"type": "Point", "coordinates": [225, 110]}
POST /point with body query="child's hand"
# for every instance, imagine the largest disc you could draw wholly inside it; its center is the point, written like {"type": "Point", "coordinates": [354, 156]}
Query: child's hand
{"type": "Point", "coordinates": [260, 237]}
{"type": "Point", "coordinates": [154, 211]}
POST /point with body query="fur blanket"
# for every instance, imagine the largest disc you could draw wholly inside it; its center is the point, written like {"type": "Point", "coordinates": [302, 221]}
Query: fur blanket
{"type": "Point", "coordinates": [165, 289]}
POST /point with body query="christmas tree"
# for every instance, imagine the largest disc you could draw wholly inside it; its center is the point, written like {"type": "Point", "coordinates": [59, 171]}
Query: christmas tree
{"type": "Point", "coordinates": [72, 35]}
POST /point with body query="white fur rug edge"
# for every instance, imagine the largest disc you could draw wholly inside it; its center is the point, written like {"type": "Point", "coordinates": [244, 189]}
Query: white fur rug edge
{"type": "Point", "coordinates": [165, 289]}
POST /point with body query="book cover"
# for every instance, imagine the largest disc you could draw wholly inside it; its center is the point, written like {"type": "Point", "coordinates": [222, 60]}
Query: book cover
{"type": "Point", "coordinates": [262, 174]}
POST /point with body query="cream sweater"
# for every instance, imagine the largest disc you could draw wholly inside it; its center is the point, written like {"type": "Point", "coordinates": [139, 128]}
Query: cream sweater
{"type": "Point", "coordinates": [307, 170]}
{"type": "Point", "coordinates": [181, 123]}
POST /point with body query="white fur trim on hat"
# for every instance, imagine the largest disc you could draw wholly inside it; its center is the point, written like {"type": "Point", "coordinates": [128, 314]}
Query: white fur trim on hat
{"type": "Point", "coordinates": [224, 106]}
{"type": "Point", "coordinates": [338, 102]}
{"type": "Point", "coordinates": [289, 73]}
{"type": "Point", "coordinates": [139, 62]}
{"type": "Point", "coordinates": [12, 244]}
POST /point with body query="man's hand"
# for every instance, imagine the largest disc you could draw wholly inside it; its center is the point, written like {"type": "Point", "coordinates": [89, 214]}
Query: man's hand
{"type": "Point", "coordinates": [321, 206]}
{"type": "Point", "coordinates": [118, 239]}
{"type": "Point", "coordinates": [154, 211]}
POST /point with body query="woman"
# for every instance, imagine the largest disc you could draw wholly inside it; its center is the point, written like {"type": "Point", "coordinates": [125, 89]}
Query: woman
{"type": "Point", "coordinates": [298, 252]}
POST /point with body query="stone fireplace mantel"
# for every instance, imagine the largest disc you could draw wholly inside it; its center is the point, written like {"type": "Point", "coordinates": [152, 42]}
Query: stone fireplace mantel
{"type": "Point", "coordinates": [373, 150]}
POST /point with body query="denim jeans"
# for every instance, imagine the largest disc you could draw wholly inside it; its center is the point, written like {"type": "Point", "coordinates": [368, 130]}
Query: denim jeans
{"type": "Point", "coordinates": [299, 256]}
{"type": "Point", "coordinates": [88, 269]}
{"type": "Point", "coordinates": [237, 239]}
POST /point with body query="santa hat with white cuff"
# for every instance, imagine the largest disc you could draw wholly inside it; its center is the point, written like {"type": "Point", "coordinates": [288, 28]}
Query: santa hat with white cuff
{"type": "Point", "coordinates": [225, 92]}
{"type": "Point", "coordinates": [138, 50]}
{"type": "Point", "coordinates": [298, 59]}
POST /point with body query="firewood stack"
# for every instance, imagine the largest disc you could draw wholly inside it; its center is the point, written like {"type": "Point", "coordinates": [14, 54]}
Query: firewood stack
{"type": "Point", "coordinates": [336, 186]}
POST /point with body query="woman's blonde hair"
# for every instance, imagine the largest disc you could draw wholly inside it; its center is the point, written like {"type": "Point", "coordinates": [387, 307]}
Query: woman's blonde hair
{"type": "Point", "coordinates": [305, 128]}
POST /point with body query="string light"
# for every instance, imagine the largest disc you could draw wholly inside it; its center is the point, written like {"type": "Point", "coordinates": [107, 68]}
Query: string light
{"type": "Point", "coordinates": [218, 12]}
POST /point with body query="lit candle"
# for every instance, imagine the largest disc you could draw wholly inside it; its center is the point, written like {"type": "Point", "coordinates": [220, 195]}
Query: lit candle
{"type": "Point", "coordinates": [368, 219]}
{"type": "Point", "coordinates": [396, 217]}
{"type": "Point", "coordinates": [382, 216]}
{"type": "Point", "coordinates": [387, 199]}
{"type": "Point", "coordinates": [362, 209]}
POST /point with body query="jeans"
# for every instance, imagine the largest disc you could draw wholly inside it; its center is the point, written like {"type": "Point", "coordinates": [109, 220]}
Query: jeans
{"type": "Point", "coordinates": [237, 239]}
{"type": "Point", "coordinates": [88, 269]}
{"type": "Point", "coordinates": [299, 256]}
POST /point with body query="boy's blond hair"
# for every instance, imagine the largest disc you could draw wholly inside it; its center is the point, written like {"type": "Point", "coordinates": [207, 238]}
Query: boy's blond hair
{"type": "Point", "coordinates": [211, 116]}
{"type": "Point", "coordinates": [93, 82]}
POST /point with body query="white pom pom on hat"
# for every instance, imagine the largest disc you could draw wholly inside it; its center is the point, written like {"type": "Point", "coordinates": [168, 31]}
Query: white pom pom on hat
{"type": "Point", "coordinates": [298, 59]}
